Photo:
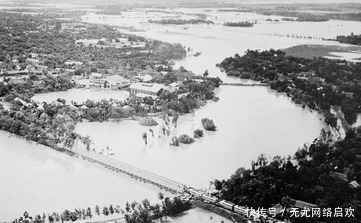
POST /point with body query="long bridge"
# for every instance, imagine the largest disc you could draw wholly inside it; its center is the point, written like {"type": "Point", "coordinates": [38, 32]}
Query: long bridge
{"type": "Point", "coordinates": [245, 84]}
{"type": "Point", "coordinates": [132, 171]}
{"type": "Point", "coordinates": [141, 175]}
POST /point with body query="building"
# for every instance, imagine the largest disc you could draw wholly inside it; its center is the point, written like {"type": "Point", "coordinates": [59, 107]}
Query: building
{"type": "Point", "coordinates": [354, 184]}
{"type": "Point", "coordinates": [174, 86]}
{"type": "Point", "coordinates": [34, 55]}
{"type": "Point", "coordinates": [146, 89]}
{"type": "Point", "coordinates": [34, 62]}
{"type": "Point", "coordinates": [18, 79]}
{"type": "Point", "coordinates": [144, 78]}
{"type": "Point", "coordinates": [95, 76]}
{"type": "Point", "coordinates": [96, 80]}
{"type": "Point", "coordinates": [74, 64]}
{"type": "Point", "coordinates": [116, 82]}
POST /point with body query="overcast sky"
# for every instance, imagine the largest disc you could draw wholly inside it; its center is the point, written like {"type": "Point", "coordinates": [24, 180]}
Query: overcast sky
{"type": "Point", "coordinates": [173, 1]}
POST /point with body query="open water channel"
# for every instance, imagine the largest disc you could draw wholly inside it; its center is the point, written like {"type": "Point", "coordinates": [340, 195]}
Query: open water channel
{"type": "Point", "coordinates": [250, 121]}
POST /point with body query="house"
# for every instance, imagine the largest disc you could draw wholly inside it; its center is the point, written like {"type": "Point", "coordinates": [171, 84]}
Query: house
{"type": "Point", "coordinates": [16, 72]}
{"type": "Point", "coordinates": [42, 68]}
{"type": "Point", "coordinates": [146, 89]}
{"type": "Point", "coordinates": [75, 64]}
{"type": "Point", "coordinates": [96, 80]}
{"type": "Point", "coordinates": [69, 71]}
{"type": "Point", "coordinates": [34, 55]}
{"type": "Point", "coordinates": [24, 103]}
{"type": "Point", "coordinates": [354, 184]}
{"type": "Point", "coordinates": [173, 86]}
{"type": "Point", "coordinates": [34, 62]}
{"type": "Point", "coordinates": [95, 76]}
{"type": "Point", "coordinates": [144, 78]}
{"type": "Point", "coordinates": [116, 82]}
{"type": "Point", "coordinates": [18, 79]}
{"type": "Point", "coordinates": [316, 80]}
{"type": "Point", "coordinates": [38, 84]}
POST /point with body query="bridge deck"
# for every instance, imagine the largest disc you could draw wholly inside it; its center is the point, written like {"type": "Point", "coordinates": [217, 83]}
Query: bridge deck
{"type": "Point", "coordinates": [132, 171]}
{"type": "Point", "coordinates": [245, 85]}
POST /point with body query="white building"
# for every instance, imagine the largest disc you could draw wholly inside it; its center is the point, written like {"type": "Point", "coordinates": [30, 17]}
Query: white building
{"type": "Point", "coordinates": [116, 82]}
{"type": "Point", "coordinates": [146, 89]}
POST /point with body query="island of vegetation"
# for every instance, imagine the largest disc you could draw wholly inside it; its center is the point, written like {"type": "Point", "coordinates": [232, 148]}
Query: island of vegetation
{"type": "Point", "coordinates": [350, 39]}
{"type": "Point", "coordinates": [180, 21]}
{"type": "Point", "coordinates": [319, 83]}
{"type": "Point", "coordinates": [325, 174]}
{"type": "Point", "coordinates": [239, 24]}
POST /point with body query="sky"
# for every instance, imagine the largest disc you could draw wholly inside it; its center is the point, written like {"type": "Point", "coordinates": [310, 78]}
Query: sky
{"type": "Point", "coordinates": [92, 2]}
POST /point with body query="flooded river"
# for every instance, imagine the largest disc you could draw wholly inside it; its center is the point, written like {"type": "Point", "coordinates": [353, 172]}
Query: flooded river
{"type": "Point", "coordinates": [250, 121]}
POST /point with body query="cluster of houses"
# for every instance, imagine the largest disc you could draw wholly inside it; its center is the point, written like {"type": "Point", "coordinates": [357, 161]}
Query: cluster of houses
{"type": "Point", "coordinates": [139, 87]}
{"type": "Point", "coordinates": [33, 65]}
{"type": "Point", "coordinates": [121, 42]}
{"type": "Point", "coordinates": [311, 78]}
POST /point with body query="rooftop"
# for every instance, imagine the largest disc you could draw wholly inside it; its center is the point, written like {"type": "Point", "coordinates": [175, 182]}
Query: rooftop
{"type": "Point", "coordinates": [152, 87]}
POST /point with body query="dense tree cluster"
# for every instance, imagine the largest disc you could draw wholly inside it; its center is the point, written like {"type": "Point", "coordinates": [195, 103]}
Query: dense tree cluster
{"type": "Point", "coordinates": [208, 124]}
{"type": "Point", "coordinates": [301, 16]}
{"type": "Point", "coordinates": [147, 213]}
{"type": "Point", "coordinates": [51, 125]}
{"type": "Point", "coordinates": [239, 24]}
{"type": "Point", "coordinates": [180, 21]}
{"type": "Point", "coordinates": [20, 35]}
{"type": "Point", "coordinates": [351, 39]}
{"type": "Point", "coordinates": [190, 95]}
{"type": "Point", "coordinates": [28, 88]}
{"type": "Point", "coordinates": [313, 174]}
{"type": "Point", "coordinates": [318, 83]}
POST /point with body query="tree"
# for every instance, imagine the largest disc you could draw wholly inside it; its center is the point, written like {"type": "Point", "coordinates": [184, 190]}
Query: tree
{"type": "Point", "coordinates": [89, 212]}
{"type": "Point", "coordinates": [208, 124]}
{"type": "Point", "coordinates": [111, 209]}
{"type": "Point", "coordinates": [97, 211]}
{"type": "Point", "coordinates": [105, 211]}
{"type": "Point", "coordinates": [205, 74]}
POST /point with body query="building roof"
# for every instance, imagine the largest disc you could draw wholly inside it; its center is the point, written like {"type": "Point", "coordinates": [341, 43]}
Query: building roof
{"type": "Point", "coordinates": [31, 60]}
{"type": "Point", "coordinates": [303, 204]}
{"type": "Point", "coordinates": [115, 79]}
{"type": "Point", "coordinates": [354, 184]}
{"type": "Point", "coordinates": [96, 75]}
{"type": "Point", "coordinates": [73, 62]}
{"type": "Point", "coordinates": [146, 77]}
{"type": "Point", "coordinates": [174, 84]}
{"type": "Point", "coordinates": [151, 87]}
{"type": "Point", "coordinates": [141, 95]}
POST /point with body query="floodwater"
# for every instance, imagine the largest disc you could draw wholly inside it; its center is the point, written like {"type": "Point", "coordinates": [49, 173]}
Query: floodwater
{"type": "Point", "coordinates": [81, 95]}
{"type": "Point", "coordinates": [250, 121]}
{"type": "Point", "coordinates": [40, 180]}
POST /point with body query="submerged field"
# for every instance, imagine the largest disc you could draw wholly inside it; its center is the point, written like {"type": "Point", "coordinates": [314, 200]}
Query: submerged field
{"type": "Point", "coordinates": [310, 51]}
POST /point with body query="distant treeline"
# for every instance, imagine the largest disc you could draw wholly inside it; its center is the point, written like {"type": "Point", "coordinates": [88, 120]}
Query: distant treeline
{"type": "Point", "coordinates": [180, 21]}
{"type": "Point", "coordinates": [301, 16]}
{"type": "Point", "coordinates": [239, 24]}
